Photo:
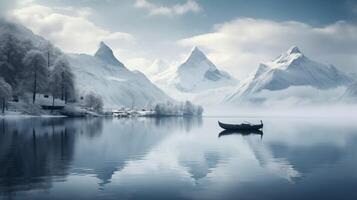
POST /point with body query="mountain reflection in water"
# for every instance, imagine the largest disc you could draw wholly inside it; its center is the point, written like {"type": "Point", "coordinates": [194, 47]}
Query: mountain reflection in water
{"type": "Point", "coordinates": [34, 152]}
{"type": "Point", "coordinates": [161, 158]}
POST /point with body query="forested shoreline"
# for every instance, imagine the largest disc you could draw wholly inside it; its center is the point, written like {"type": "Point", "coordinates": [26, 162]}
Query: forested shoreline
{"type": "Point", "coordinates": [27, 70]}
{"type": "Point", "coordinates": [36, 78]}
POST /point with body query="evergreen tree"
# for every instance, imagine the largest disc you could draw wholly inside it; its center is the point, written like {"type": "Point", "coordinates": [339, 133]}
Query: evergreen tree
{"type": "Point", "coordinates": [64, 77]}
{"type": "Point", "coordinates": [12, 51]}
{"type": "Point", "coordinates": [94, 102]}
{"type": "Point", "coordinates": [5, 93]}
{"type": "Point", "coordinates": [36, 71]}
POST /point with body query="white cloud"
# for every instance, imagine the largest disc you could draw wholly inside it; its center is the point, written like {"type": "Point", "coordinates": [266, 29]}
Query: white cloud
{"type": "Point", "coordinates": [72, 31]}
{"type": "Point", "coordinates": [177, 9]}
{"type": "Point", "coordinates": [5, 6]}
{"type": "Point", "coordinates": [301, 95]}
{"type": "Point", "coordinates": [240, 45]}
{"type": "Point", "coordinates": [68, 28]}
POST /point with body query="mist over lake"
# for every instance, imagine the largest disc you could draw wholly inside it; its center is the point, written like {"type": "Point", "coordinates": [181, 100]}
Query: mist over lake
{"type": "Point", "coordinates": [179, 99]}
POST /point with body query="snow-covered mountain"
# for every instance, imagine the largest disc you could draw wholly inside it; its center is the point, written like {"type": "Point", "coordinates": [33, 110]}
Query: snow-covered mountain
{"type": "Point", "coordinates": [105, 54]}
{"type": "Point", "coordinates": [195, 75]}
{"type": "Point", "coordinates": [22, 33]}
{"type": "Point", "coordinates": [105, 75]}
{"type": "Point", "coordinates": [25, 35]}
{"type": "Point", "coordinates": [198, 73]}
{"type": "Point", "coordinates": [102, 74]}
{"type": "Point", "coordinates": [291, 68]}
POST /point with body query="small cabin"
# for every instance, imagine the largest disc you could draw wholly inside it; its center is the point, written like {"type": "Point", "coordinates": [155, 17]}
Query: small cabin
{"type": "Point", "coordinates": [45, 101]}
{"type": "Point", "coordinates": [15, 98]}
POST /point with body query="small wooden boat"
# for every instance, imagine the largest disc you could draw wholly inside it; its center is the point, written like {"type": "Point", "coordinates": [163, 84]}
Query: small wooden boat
{"type": "Point", "coordinates": [243, 126]}
{"type": "Point", "coordinates": [240, 132]}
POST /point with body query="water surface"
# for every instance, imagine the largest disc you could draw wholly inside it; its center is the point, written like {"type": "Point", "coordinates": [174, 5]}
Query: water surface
{"type": "Point", "coordinates": [177, 158]}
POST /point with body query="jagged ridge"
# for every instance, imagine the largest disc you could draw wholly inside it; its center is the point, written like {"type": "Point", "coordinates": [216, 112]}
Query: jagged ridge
{"type": "Point", "coordinates": [105, 53]}
{"type": "Point", "coordinates": [292, 68]}
{"type": "Point", "coordinates": [198, 73]}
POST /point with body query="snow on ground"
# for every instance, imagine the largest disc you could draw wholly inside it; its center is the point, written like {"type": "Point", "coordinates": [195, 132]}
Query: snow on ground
{"type": "Point", "coordinates": [15, 115]}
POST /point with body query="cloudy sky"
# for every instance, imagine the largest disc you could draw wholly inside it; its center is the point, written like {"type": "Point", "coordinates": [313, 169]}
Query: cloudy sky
{"type": "Point", "coordinates": [235, 34]}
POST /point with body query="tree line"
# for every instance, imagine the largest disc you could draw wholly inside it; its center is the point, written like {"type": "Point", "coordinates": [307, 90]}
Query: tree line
{"type": "Point", "coordinates": [29, 69]}
{"type": "Point", "coordinates": [178, 109]}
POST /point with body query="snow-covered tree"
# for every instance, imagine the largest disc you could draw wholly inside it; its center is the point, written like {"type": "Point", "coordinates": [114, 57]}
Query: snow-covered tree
{"type": "Point", "coordinates": [188, 108]}
{"type": "Point", "coordinates": [173, 109]}
{"type": "Point", "coordinates": [12, 51]}
{"type": "Point", "coordinates": [93, 102]}
{"type": "Point", "coordinates": [64, 79]}
{"type": "Point", "coordinates": [54, 86]}
{"type": "Point", "coordinates": [5, 93]}
{"type": "Point", "coordinates": [199, 110]}
{"type": "Point", "coordinates": [36, 71]}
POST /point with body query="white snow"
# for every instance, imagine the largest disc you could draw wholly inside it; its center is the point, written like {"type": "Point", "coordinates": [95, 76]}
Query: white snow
{"type": "Point", "coordinates": [24, 34]}
{"type": "Point", "coordinates": [197, 79]}
{"type": "Point", "coordinates": [105, 54]}
{"type": "Point", "coordinates": [19, 115]}
{"type": "Point", "coordinates": [292, 68]}
{"type": "Point", "coordinates": [198, 73]}
{"type": "Point", "coordinates": [195, 75]}
{"type": "Point", "coordinates": [117, 85]}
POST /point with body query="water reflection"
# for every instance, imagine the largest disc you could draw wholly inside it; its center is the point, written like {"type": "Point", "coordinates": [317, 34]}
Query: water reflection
{"type": "Point", "coordinates": [126, 140]}
{"type": "Point", "coordinates": [201, 169]}
{"type": "Point", "coordinates": [241, 132]}
{"type": "Point", "coordinates": [36, 152]}
{"type": "Point", "coordinates": [33, 153]}
{"type": "Point", "coordinates": [161, 158]}
{"type": "Point", "coordinates": [180, 123]}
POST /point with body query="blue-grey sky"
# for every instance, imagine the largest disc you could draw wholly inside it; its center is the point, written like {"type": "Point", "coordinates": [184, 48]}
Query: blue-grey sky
{"type": "Point", "coordinates": [121, 15]}
{"type": "Point", "coordinates": [236, 34]}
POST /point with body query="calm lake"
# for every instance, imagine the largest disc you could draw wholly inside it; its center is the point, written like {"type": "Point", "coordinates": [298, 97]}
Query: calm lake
{"type": "Point", "coordinates": [177, 158]}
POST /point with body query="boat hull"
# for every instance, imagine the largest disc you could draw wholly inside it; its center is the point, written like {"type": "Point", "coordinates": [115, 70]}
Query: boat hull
{"type": "Point", "coordinates": [240, 127]}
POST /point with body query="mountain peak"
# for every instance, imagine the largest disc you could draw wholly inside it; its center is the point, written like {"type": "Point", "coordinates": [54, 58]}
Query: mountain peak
{"type": "Point", "coordinates": [103, 48]}
{"type": "Point", "coordinates": [197, 55]}
{"type": "Point", "coordinates": [198, 73]}
{"type": "Point", "coordinates": [292, 55]}
{"type": "Point", "coordinates": [105, 53]}
{"type": "Point", "coordinates": [195, 48]}
{"type": "Point", "coordinates": [293, 50]}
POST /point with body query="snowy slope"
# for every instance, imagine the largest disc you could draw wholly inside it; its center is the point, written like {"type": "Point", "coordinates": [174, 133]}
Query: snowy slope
{"type": "Point", "coordinates": [105, 75]}
{"type": "Point", "coordinates": [196, 79]}
{"type": "Point", "coordinates": [21, 33]}
{"type": "Point", "coordinates": [102, 73]}
{"type": "Point", "coordinates": [195, 75]}
{"type": "Point", "coordinates": [292, 68]}
{"type": "Point", "coordinates": [198, 73]}
{"type": "Point", "coordinates": [24, 34]}
{"type": "Point", "coordinates": [105, 54]}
